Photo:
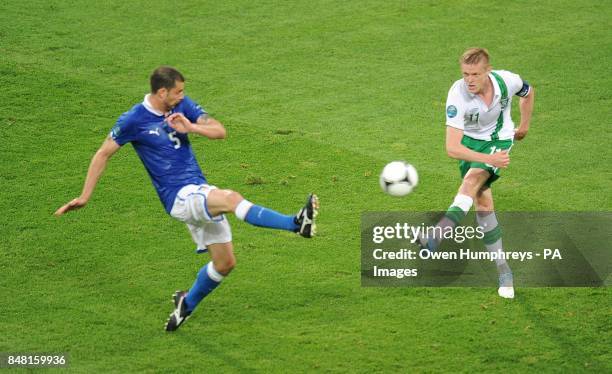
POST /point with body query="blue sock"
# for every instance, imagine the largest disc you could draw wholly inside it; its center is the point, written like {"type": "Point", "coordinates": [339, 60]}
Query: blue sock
{"type": "Point", "coordinates": [208, 279]}
{"type": "Point", "coordinates": [264, 217]}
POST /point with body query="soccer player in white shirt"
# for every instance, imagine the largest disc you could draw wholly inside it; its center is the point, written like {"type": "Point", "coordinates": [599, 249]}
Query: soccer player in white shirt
{"type": "Point", "coordinates": [480, 134]}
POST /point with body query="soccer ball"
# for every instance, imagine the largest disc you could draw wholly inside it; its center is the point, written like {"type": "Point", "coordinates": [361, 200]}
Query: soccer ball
{"type": "Point", "coordinates": [398, 178]}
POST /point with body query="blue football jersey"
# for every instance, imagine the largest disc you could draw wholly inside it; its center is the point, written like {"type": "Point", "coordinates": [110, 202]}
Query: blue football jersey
{"type": "Point", "coordinates": [165, 153]}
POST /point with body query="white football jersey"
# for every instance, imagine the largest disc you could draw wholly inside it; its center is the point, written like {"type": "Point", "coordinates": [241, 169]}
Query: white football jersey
{"type": "Point", "coordinates": [467, 112]}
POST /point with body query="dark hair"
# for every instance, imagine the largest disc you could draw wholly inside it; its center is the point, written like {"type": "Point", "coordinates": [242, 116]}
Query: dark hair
{"type": "Point", "coordinates": [165, 77]}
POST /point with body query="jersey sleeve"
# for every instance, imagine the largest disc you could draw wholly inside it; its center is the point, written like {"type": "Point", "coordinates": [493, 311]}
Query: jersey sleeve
{"type": "Point", "coordinates": [516, 85]}
{"type": "Point", "coordinates": [192, 110]}
{"type": "Point", "coordinates": [123, 131]}
{"type": "Point", "coordinates": [454, 109]}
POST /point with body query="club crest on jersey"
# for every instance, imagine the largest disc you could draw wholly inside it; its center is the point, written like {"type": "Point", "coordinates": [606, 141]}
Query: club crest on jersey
{"type": "Point", "coordinates": [154, 132]}
{"type": "Point", "coordinates": [504, 103]}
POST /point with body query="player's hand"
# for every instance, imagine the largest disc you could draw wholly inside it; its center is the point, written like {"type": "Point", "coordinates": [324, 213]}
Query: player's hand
{"type": "Point", "coordinates": [71, 205]}
{"type": "Point", "coordinates": [180, 123]}
{"type": "Point", "coordinates": [521, 132]}
{"type": "Point", "coordinates": [500, 159]}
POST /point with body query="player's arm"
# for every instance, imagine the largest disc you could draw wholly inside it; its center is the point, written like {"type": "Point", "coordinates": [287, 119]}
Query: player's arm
{"type": "Point", "coordinates": [205, 126]}
{"type": "Point", "coordinates": [96, 168]}
{"type": "Point", "coordinates": [458, 151]}
{"type": "Point", "coordinates": [210, 127]}
{"type": "Point", "coordinates": [526, 108]}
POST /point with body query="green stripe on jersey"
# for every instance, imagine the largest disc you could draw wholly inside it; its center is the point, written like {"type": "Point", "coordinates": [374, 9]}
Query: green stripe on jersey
{"type": "Point", "coordinates": [504, 97]}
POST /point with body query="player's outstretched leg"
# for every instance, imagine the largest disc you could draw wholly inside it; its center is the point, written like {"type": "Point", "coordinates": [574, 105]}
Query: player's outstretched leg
{"type": "Point", "coordinates": [303, 222]}
{"type": "Point", "coordinates": [472, 182]}
{"type": "Point", "coordinates": [222, 201]}
{"type": "Point", "coordinates": [454, 215]}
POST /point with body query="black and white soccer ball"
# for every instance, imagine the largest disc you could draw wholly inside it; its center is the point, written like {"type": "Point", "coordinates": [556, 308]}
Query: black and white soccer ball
{"type": "Point", "coordinates": [398, 178]}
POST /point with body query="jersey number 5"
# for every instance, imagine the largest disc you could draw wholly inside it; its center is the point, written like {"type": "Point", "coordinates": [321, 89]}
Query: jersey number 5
{"type": "Point", "coordinates": [174, 139]}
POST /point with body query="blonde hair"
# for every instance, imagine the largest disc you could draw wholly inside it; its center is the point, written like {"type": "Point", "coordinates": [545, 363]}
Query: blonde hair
{"type": "Point", "coordinates": [474, 56]}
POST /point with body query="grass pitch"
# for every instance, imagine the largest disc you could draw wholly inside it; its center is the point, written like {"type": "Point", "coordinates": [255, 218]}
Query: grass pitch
{"type": "Point", "coordinates": [316, 96]}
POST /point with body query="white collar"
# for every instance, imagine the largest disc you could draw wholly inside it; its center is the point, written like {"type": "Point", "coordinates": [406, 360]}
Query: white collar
{"type": "Point", "coordinates": [147, 104]}
{"type": "Point", "coordinates": [496, 89]}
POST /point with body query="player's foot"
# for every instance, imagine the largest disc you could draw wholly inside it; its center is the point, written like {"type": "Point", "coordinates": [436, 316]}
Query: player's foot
{"type": "Point", "coordinates": [305, 219]}
{"type": "Point", "coordinates": [506, 287]}
{"type": "Point", "coordinates": [180, 313]}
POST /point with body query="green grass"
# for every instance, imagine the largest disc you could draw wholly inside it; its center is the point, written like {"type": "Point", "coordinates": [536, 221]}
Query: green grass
{"type": "Point", "coordinates": [316, 96]}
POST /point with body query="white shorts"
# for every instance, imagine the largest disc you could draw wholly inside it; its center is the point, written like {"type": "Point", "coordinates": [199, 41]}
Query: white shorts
{"type": "Point", "coordinates": [190, 206]}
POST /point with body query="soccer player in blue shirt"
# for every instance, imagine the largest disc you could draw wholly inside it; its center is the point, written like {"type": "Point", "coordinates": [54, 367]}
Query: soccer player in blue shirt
{"type": "Point", "coordinates": [158, 129]}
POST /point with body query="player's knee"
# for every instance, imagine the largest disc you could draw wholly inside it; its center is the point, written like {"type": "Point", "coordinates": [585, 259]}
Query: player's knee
{"type": "Point", "coordinates": [226, 265]}
{"type": "Point", "coordinates": [470, 185]}
{"type": "Point", "coordinates": [484, 204]}
{"type": "Point", "coordinates": [467, 189]}
{"type": "Point", "coordinates": [484, 200]}
{"type": "Point", "coordinates": [232, 199]}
